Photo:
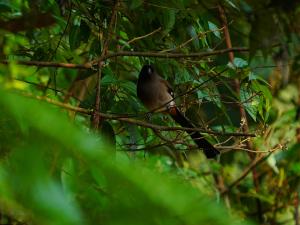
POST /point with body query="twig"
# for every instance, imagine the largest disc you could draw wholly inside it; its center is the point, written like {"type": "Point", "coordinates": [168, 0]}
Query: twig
{"type": "Point", "coordinates": [63, 33]}
{"type": "Point", "coordinates": [95, 115]}
{"type": "Point", "coordinates": [142, 37]}
{"type": "Point", "coordinates": [53, 78]}
{"type": "Point", "coordinates": [191, 39]}
{"type": "Point", "coordinates": [229, 148]}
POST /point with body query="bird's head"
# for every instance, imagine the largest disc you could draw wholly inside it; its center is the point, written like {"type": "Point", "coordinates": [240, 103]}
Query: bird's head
{"type": "Point", "coordinates": [147, 71]}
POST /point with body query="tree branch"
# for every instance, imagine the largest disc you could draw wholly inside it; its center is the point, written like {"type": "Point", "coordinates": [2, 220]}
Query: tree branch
{"type": "Point", "coordinates": [96, 119]}
{"type": "Point", "coordinates": [296, 205]}
{"type": "Point", "coordinates": [94, 64]}
{"type": "Point", "coordinates": [48, 64]}
{"type": "Point", "coordinates": [244, 121]}
{"type": "Point", "coordinates": [126, 119]}
{"type": "Point", "coordinates": [174, 55]}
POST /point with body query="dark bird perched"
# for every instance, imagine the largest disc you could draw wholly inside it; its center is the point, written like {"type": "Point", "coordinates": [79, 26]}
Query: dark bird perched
{"type": "Point", "coordinates": [157, 95]}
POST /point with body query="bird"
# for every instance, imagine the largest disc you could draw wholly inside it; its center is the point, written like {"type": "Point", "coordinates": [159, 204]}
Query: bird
{"type": "Point", "coordinates": [157, 96]}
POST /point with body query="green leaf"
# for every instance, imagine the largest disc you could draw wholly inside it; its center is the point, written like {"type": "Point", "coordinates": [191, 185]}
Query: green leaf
{"type": "Point", "coordinates": [213, 27]}
{"type": "Point", "coordinates": [168, 20]}
{"type": "Point", "coordinates": [123, 35]}
{"type": "Point", "coordinates": [240, 63]}
{"type": "Point", "coordinates": [203, 39]}
{"type": "Point", "coordinates": [249, 101]}
{"type": "Point", "coordinates": [265, 99]}
{"type": "Point", "coordinates": [74, 37]}
{"type": "Point", "coordinates": [95, 48]}
{"type": "Point", "coordinates": [210, 92]}
{"type": "Point", "coordinates": [109, 77]}
{"type": "Point", "coordinates": [85, 31]}
{"type": "Point", "coordinates": [135, 4]}
{"type": "Point", "coordinates": [129, 86]}
{"type": "Point", "coordinates": [232, 4]}
{"type": "Point", "coordinates": [98, 187]}
{"type": "Point", "coordinates": [5, 7]}
{"type": "Point", "coordinates": [182, 76]}
{"type": "Point", "coordinates": [192, 32]}
{"type": "Point", "coordinates": [252, 76]}
{"type": "Point", "coordinates": [295, 168]}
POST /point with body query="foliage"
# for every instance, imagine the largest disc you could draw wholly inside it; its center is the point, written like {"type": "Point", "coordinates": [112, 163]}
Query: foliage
{"type": "Point", "coordinates": [55, 177]}
{"type": "Point", "coordinates": [56, 170]}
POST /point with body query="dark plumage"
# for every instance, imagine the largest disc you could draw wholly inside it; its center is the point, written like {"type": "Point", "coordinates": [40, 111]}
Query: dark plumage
{"type": "Point", "coordinates": [157, 95]}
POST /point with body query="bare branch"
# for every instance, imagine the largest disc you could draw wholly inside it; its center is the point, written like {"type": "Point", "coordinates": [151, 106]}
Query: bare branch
{"type": "Point", "coordinates": [142, 37]}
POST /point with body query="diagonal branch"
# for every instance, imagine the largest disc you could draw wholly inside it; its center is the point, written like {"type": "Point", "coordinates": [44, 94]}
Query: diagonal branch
{"type": "Point", "coordinates": [142, 37]}
{"type": "Point", "coordinates": [180, 46]}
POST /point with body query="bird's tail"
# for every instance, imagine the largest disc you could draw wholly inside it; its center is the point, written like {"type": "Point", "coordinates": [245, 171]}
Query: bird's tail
{"type": "Point", "coordinates": [209, 150]}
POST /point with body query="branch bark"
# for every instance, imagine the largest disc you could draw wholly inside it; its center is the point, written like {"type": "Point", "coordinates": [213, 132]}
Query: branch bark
{"type": "Point", "coordinates": [96, 116]}
{"type": "Point", "coordinates": [244, 122]}
{"type": "Point", "coordinates": [174, 55]}
{"type": "Point", "coordinates": [94, 64]}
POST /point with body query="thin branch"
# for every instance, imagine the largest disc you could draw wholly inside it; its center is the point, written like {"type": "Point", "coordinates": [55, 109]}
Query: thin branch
{"type": "Point", "coordinates": [231, 58]}
{"type": "Point", "coordinates": [96, 117]}
{"type": "Point", "coordinates": [132, 121]}
{"type": "Point", "coordinates": [244, 121]}
{"type": "Point", "coordinates": [63, 33]}
{"type": "Point", "coordinates": [226, 149]}
{"type": "Point", "coordinates": [142, 37]}
{"type": "Point", "coordinates": [296, 205]}
{"type": "Point", "coordinates": [48, 64]}
{"type": "Point", "coordinates": [191, 39]}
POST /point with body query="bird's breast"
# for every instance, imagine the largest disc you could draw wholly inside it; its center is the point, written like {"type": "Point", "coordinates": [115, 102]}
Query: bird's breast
{"type": "Point", "coordinates": [155, 96]}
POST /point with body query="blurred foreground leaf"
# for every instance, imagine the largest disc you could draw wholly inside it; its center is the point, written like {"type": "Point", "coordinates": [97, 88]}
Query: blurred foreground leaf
{"type": "Point", "coordinates": [58, 174]}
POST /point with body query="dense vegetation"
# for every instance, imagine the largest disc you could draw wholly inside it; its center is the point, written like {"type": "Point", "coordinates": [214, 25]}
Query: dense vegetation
{"type": "Point", "coordinates": [78, 147]}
